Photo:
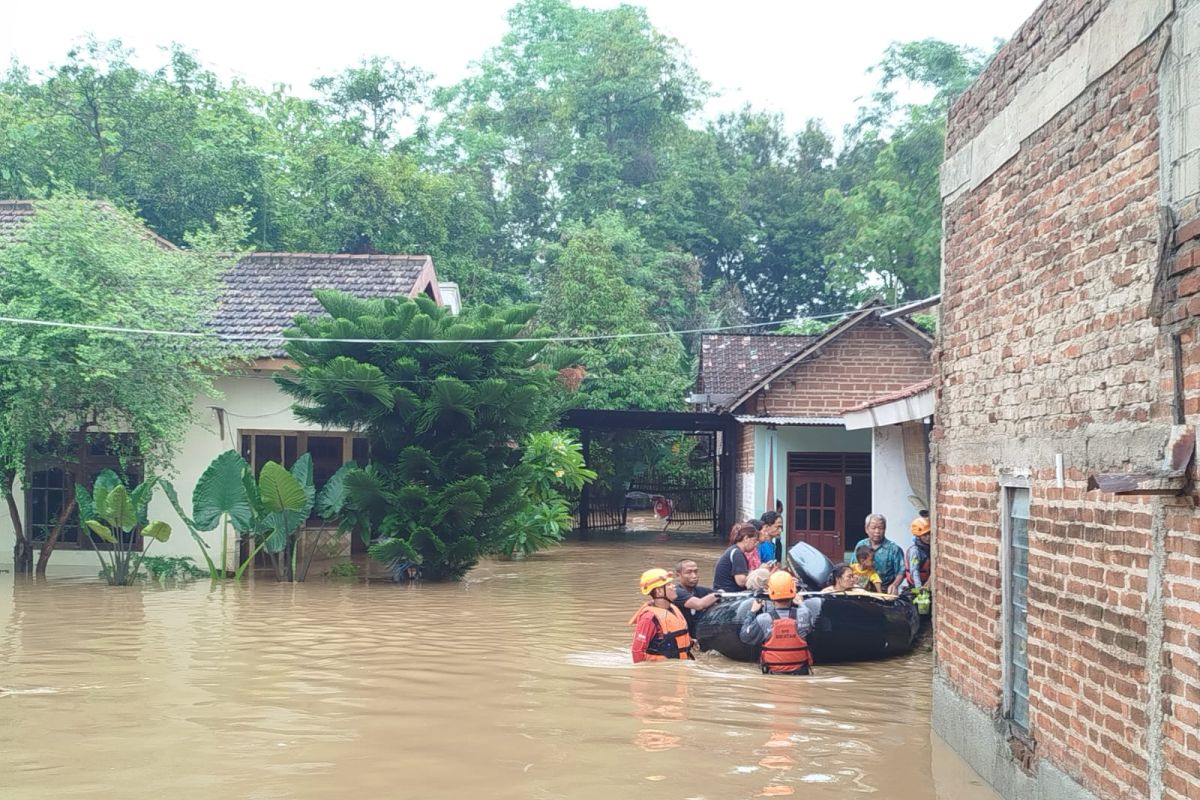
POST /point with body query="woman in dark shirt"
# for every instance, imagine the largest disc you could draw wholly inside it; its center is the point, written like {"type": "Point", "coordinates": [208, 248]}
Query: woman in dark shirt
{"type": "Point", "coordinates": [732, 566]}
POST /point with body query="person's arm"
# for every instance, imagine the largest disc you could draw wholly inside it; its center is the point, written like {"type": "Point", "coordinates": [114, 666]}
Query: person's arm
{"type": "Point", "coordinates": [752, 632]}
{"type": "Point", "coordinates": [647, 629]}
{"type": "Point", "coordinates": [740, 567]}
{"type": "Point", "coordinates": [914, 566]}
{"type": "Point", "coordinates": [702, 603]}
{"type": "Point", "coordinates": [803, 621]}
{"type": "Point", "coordinates": [898, 565]}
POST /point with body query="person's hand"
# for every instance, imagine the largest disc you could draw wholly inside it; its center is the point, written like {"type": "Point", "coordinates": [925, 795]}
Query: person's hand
{"type": "Point", "coordinates": [756, 606]}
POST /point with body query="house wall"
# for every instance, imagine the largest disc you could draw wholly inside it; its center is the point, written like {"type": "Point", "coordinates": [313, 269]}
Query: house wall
{"type": "Point", "coordinates": [872, 359]}
{"type": "Point", "coordinates": [795, 439]}
{"type": "Point", "coordinates": [251, 402]}
{"type": "Point", "coordinates": [745, 471]}
{"type": "Point", "coordinates": [1055, 340]}
{"type": "Point", "coordinates": [889, 484]}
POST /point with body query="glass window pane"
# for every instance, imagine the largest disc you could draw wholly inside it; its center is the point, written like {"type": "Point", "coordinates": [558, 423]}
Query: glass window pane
{"type": "Point", "coordinates": [829, 495]}
{"type": "Point", "coordinates": [830, 521]}
{"type": "Point", "coordinates": [814, 494]}
{"type": "Point", "coordinates": [361, 451]}
{"type": "Point", "coordinates": [326, 452]}
{"type": "Point", "coordinates": [800, 495]}
{"type": "Point", "coordinates": [246, 453]}
{"type": "Point", "coordinates": [290, 450]}
{"type": "Point", "coordinates": [814, 520]}
{"type": "Point", "coordinates": [267, 447]}
{"type": "Point", "coordinates": [1020, 504]}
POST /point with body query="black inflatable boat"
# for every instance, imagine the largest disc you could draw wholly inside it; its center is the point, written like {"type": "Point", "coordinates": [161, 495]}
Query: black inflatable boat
{"type": "Point", "coordinates": [850, 626]}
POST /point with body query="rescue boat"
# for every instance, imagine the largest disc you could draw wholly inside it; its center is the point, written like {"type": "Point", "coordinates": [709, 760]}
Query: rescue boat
{"type": "Point", "coordinates": [847, 626]}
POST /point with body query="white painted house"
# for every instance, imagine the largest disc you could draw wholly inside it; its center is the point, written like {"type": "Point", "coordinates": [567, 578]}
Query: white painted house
{"type": "Point", "coordinates": [262, 294]}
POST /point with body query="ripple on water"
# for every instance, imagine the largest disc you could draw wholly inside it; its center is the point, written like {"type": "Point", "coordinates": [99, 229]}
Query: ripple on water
{"type": "Point", "coordinates": [513, 684]}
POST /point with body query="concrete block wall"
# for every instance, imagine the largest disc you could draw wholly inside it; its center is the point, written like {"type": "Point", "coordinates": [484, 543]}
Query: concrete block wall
{"type": "Point", "coordinates": [1061, 295]}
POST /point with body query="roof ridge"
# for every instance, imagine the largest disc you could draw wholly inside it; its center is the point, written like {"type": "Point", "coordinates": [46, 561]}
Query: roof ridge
{"type": "Point", "coordinates": [331, 256]}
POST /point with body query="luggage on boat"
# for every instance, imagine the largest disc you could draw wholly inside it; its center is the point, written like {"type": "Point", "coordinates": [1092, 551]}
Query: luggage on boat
{"type": "Point", "coordinates": [849, 626]}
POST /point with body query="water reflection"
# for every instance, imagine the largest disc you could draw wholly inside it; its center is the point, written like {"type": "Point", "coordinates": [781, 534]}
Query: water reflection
{"type": "Point", "coordinates": [515, 683]}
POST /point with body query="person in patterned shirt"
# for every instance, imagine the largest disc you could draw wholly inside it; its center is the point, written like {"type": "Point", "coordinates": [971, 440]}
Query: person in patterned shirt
{"type": "Point", "coordinates": [889, 558]}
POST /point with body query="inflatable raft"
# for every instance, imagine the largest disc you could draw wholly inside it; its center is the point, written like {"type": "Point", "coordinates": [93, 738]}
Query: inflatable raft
{"type": "Point", "coordinates": [847, 626]}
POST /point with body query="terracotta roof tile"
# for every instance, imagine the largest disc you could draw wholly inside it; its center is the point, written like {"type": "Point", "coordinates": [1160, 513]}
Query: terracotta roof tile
{"type": "Point", "coordinates": [906, 392]}
{"type": "Point", "coordinates": [731, 363]}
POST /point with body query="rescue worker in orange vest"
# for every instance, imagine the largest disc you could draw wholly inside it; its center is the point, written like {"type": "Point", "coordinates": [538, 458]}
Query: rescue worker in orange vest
{"type": "Point", "coordinates": [661, 630]}
{"type": "Point", "coordinates": [782, 629]}
{"type": "Point", "coordinates": [916, 565]}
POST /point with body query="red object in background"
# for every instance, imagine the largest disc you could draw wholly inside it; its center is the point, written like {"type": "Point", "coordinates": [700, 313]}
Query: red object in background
{"type": "Point", "coordinates": [663, 507]}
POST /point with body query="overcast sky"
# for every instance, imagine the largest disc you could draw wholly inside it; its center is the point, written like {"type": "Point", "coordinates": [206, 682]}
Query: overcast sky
{"type": "Point", "coordinates": [802, 57]}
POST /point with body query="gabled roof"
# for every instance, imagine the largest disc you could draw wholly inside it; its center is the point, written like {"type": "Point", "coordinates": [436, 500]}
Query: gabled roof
{"type": "Point", "coordinates": [265, 291]}
{"type": "Point", "coordinates": [15, 213]}
{"type": "Point", "coordinates": [730, 362]}
{"type": "Point", "coordinates": [870, 309]}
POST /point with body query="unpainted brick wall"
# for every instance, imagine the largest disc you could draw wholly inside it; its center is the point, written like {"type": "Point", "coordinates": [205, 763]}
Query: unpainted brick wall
{"type": "Point", "coordinates": [1047, 345]}
{"type": "Point", "coordinates": [870, 360]}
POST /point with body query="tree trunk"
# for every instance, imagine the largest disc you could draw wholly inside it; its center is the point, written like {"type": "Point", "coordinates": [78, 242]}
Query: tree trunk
{"type": "Point", "coordinates": [52, 539]}
{"type": "Point", "coordinates": [22, 544]}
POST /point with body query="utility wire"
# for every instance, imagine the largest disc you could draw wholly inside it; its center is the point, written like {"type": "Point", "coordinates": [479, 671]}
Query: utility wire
{"type": "Point", "coordinates": [516, 340]}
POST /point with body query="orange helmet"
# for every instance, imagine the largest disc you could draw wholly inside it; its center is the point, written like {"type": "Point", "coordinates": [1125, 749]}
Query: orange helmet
{"type": "Point", "coordinates": [654, 578]}
{"type": "Point", "coordinates": [781, 586]}
{"type": "Point", "coordinates": [920, 526]}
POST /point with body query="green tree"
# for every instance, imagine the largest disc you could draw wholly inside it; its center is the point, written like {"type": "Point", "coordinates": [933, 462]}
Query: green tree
{"type": "Point", "coordinates": [588, 295]}
{"type": "Point", "coordinates": [888, 205]}
{"type": "Point", "coordinates": [81, 262]}
{"type": "Point", "coordinates": [443, 485]}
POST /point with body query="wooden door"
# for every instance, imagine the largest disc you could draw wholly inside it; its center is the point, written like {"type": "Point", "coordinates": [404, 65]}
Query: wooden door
{"type": "Point", "coordinates": [817, 512]}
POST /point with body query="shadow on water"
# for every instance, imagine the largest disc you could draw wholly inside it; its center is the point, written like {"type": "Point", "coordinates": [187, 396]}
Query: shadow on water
{"type": "Point", "coordinates": [514, 683]}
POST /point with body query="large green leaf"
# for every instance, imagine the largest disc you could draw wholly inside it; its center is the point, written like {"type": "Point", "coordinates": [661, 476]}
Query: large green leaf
{"type": "Point", "coordinates": [285, 501]}
{"type": "Point", "coordinates": [101, 530]}
{"type": "Point", "coordinates": [118, 510]}
{"type": "Point", "coordinates": [105, 482]}
{"type": "Point", "coordinates": [221, 490]}
{"type": "Point", "coordinates": [302, 471]}
{"type": "Point", "coordinates": [140, 496]}
{"type": "Point", "coordinates": [173, 497]}
{"type": "Point", "coordinates": [157, 530]}
{"type": "Point", "coordinates": [332, 497]}
{"type": "Point", "coordinates": [85, 503]}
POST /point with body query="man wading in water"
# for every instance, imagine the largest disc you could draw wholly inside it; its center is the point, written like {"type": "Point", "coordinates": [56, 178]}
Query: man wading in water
{"type": "Point", "coordinates": [662, 631]}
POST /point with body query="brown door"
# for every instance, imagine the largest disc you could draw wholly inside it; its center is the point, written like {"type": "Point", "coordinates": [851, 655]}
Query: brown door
{"type": "Point", "coordinates": [817, 512]}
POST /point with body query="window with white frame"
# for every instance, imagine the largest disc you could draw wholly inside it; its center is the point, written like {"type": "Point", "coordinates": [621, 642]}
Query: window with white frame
{"type": "Point", "coordinates": [1015, 534]}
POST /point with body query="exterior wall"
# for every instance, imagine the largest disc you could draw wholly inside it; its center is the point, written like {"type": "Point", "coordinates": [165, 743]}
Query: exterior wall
{"type": "Point", "coordinates": [795, 439]}
{"type": "Point", "coordinates": [889, 484]}
{"type": "Point", "coordinates": [745, 471]}
{"type": "Point", "coordinates": [250, 402]}
{"type": "Point", "coordinates": [872, 359]}
{"type": "Point", "coordinates": [1055, 339]}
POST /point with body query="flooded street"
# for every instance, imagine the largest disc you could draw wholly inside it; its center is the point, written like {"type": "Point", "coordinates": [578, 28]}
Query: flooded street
{"type": "Point", "coordinates": [514, 684]}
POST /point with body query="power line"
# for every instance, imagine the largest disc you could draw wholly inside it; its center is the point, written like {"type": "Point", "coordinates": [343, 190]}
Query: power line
{"type": "Point", "coordinates": [516, 340]}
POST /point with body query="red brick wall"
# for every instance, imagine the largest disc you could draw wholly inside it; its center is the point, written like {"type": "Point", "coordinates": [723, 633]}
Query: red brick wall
{"type": "Point", "coordinates": [1048, 345]}
{"type": "Point", "coordinates": [1045, 36]}
{"type": "Point", "coordinates": [871, 359]}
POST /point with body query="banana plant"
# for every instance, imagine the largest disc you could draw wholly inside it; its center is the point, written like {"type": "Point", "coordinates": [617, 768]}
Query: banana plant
{"type": "Point", "coordinates": [119, 516]}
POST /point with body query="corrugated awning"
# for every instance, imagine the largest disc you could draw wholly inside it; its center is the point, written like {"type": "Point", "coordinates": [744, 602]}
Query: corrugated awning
{"type": "Point", "coordinates": [815, 421]}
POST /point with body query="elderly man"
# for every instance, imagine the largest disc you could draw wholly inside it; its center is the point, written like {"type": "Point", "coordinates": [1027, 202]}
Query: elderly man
{"type": "Point", "coordinates": [690, 597]}
{"type": "Point", "coordinates": [889, 558]}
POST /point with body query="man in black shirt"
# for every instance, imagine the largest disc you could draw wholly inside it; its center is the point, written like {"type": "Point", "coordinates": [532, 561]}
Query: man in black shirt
{"type": "Point", "coordinates": [692, 598]}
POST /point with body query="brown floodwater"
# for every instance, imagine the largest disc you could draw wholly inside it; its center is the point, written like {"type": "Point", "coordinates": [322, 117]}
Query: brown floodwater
{"type": "Point", "coordinates": [515, 683]}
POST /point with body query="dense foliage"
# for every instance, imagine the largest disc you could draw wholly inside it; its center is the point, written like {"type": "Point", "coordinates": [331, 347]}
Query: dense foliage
{"type": "Point", "coordinates": [444, 420]}
{"type": "Point", "coordinates": [81, 262]}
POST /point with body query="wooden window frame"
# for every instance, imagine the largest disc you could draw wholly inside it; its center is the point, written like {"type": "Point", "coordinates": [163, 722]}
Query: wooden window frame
{"type": "Point", "coordinates": [347, 437]}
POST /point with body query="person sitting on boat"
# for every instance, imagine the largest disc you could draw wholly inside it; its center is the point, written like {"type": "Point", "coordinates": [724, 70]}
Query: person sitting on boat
{"type": "Point", "coordinates": [753, 560]}
{"type": "Point", "coordinates": [768, 545]}
{"type": "Point", "coordinates": [863, 568]}
{"type": "Point", "coordinates": [690, 597]}
{"type": "Point", "coordinates": [782, 628]}
{"type": "Point", "coordinates": [732, 566]}
{"type": "Point", "coordinates": [661, 631]}
{"type": "Point", "coordinates": [917, 563]}
{"type": "Point", "coordinates": [889, 558]}
{"type": "Point", "coordinates": [842, 579]}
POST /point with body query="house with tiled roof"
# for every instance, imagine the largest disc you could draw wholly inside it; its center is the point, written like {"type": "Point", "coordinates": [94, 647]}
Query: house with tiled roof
{"type": "Point", "coordinates": [830, 426]}
{"type": "Point", "coordinates": [261, 295]}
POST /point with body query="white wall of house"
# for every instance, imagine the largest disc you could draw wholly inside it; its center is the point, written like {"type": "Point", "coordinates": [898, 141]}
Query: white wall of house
{"type": "Point", "coordinates": [889, 484]}
{"type": "Point", "coordinates": [250, 402]}
{"type": "Point", "coordinates": [771, 448]}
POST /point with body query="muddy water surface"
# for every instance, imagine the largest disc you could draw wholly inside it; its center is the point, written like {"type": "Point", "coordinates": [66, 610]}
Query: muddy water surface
{"type": "Point", "coordinates": [513, 684]}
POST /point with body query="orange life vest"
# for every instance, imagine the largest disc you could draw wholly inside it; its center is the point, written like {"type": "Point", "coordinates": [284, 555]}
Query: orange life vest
{"type": "Point", "coordinates": [786, 652]}
{"type": "Point", "coordinates": [924, 570]}
{"type": "Point", "coordinates": [673, 640]}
